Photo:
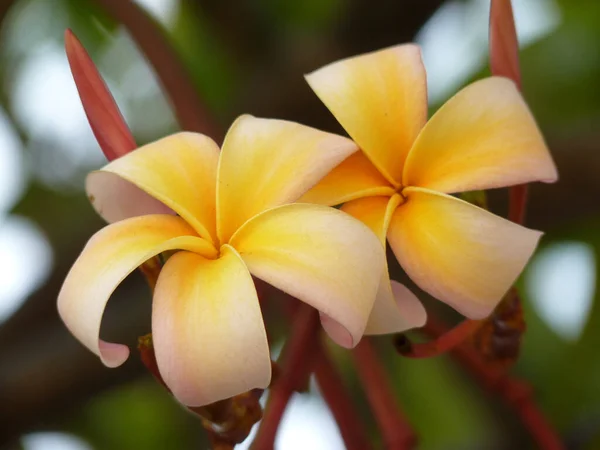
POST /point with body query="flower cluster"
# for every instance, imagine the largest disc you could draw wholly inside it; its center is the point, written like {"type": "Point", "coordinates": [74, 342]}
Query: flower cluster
{"type": "Point", "coordinates": [261, 205]}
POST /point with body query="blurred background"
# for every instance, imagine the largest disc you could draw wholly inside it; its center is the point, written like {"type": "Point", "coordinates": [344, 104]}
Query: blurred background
{"type": "Point", "coordinates": [249, 57]}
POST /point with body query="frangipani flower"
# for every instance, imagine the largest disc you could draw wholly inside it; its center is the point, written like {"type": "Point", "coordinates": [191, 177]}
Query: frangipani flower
{"type": "Point", "coordinates": [233, 220]}
{"type": "Point", "coordinates": [484, 137]}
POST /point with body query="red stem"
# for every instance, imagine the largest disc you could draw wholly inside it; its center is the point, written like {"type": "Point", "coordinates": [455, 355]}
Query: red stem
{"type": "Point", "coordinates": [504, 61]}
{"type": "Point", "coordinates": [515, 393]}
{"type": "Point", "coordinates": [297, 364]}
{"type": "Point", "coordinates": [105, 119]}
{"type": "Point", "coordinates": [517, 203]}
{"type": "Point", "coordinates": [397, 432]}
{"type": "Point", "coordinates": [332, 388]}
{"type": "Point", "coordinates": [442, 344]}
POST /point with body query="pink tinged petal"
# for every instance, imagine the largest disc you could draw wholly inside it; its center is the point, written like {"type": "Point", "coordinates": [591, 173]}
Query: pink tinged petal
{"type": "Point", "coordinates": [457, 252]}
{"type": "Point", "coordinates": [484, 137]}
{"type": "Point", "coordinates": [356, 177]}
{"type": "Point", "coordinates": [319, 255]}
{"type": "Point", "coordinates": [207, 328]}
{"type": "Point", "coordinates": [178, 171]}
{"type": "Point", "coordinates": [504, 45]}
{"type": "Point", "coordinates": [267, 163]}
{"type": "Point", "coordinates": [109, 256]}
{"type": "Point", "coordinates": [396, 309]}
{"type": "Point", "coordinates": [380, 98]}
{"type": "Point", "coordinates": [102, 112]}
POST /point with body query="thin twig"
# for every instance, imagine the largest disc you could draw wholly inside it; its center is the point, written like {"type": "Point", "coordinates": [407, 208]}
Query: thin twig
{"type": "Point", "coordinates": [344, 412]}
{"type": "Point", "coordinates": [444, 343]}
{"type": "Point", "coordinates": [397, 432]}
{"type": "Point", "coordinates": [295, 370]}
{"type": "Point", "coordinates": [515, 393]}
{"type": "Point", "coordinates": [504, 61]}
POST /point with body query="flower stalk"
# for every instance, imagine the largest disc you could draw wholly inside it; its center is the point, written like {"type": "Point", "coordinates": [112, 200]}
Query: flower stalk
{"type": "Point", "coordinates": [340, 404]}
{"type": "Point", "coordinates": [297, 363]}
{"type": "Point", "coordinates": [515, 393]}
{"type": "Point", "coordinates": [397, 432]}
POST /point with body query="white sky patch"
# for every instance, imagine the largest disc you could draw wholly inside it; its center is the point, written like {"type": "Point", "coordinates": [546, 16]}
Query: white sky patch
{"type": "Point", "coordinates": [165, 11]}
{"type": "Point", "coordinates": [561, 283]}
{"type": "Point", "coordinates": [306, 424]}
{"type": "Point", "coordinates": [455, 39]}
{"type": "Point", "coordinates": [25, 262]}
{"type": "Point", "coordinates": [53, 441]}
{"type": "Point", "coordinates": [12, 176]}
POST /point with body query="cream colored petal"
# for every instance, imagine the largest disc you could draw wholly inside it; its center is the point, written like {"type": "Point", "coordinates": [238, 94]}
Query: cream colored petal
{"type": "Point", "coordinates": [109, 256]}
{"type": "Point", "coordinates": [459, 253]}
{"type": "Point", "coordinates": [483, 137]}
{"type": "Point", "coordinates": [267, 163]}
{"type": "Point", "coordinates": [178, 171]}
{"type": "Point", "coordinates": [207, 328]}
{"type": "Point", "coordinates": [319, 255]}
{"type": "Point", "coordinates": [354, 178]}
{"type": "Point", "coordinates": [380, 98]}
{"type": "Point", "coordinates": [396, 309]}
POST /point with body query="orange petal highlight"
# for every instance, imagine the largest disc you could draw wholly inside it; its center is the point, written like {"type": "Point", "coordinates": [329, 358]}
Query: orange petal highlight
{"type": "Point", "coordinates": [396, 309]}
{"type": "Point", "coordinates": [179, 171]}
{"type": "Point", "coordinates": [109, 256]}
{"type": "Point", "coordinates": [267, 163]}
{"type": "Point", "coordinates": [319, 255]}
{"type": "Point", "coordinates": [355, 177]}
{"type": "Point", "coordinates": [207, 328]}
{"type": "Point", "coordinates": [457, 252]}
{"type": "Point", "coordinates": [484, 137]}
{"type": "Point", "coordinates": [380, 98]}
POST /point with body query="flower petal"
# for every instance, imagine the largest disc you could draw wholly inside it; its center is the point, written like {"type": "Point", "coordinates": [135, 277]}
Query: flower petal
{"type": "Point", "coordinates": [319, 255]}
{"type": "Point", "coordinates": [457, 252]}
{"type": "Point", "coordinates": [355, 177]}
{"type": "Point", "coordinates": [179, 171]}
{"type": "Point", "coordinates": [267, 163]}
{"type": "Point", "coordinates": [483, 137]}
{"type": "Point", "coordinates": [380, 98]}
{"type": "Point", "coordinates": [207, 328]}
{"type": "Point", "coordinates": [109, 256]}
{"type": "Point", "coordinates": [396, 309]}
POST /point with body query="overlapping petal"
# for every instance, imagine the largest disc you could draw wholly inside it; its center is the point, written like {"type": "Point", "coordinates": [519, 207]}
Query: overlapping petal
{"type": "Point", "coordinates": [267, 163]}
{"type": "Point", "coordinates": [380, 99]}
{"type": "Point", "coordinates": [461, 254]}
{"type": "Point", "coordinates": [355, 177]}
{"type": "Point", "coordinates": [396, 309]}
{"type": "Point", "coordinates": [208, 331]}
{"type": "Point", "coordinates": [320, 255]}
{"type": "Point", "coordinates": [109, 256]}
{"type": "Point", "coordinates": [179, 171]}
{"type": "Point", "coordinates": [484, 137]}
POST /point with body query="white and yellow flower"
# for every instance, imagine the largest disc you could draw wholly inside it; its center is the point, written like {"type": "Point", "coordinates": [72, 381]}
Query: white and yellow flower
{"type": "Point", "coordinates": [399, 184]}
{"type": "Point", "coordinates": [233, 218]}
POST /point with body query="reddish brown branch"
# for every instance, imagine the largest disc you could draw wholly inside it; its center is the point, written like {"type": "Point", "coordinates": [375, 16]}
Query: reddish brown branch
{"type": "Point", "coordinates": [504, 61]}
{"type": "Point", "coordinates": [104, 117]}
{"type": "Point", "coordinates": [189, 109]}
{"type": "Point", "coordinates": [515, 393]}
{"type": "Point", "coordinates": [332, 388]}
{"type": "Point", "coordinates": [442, 344]}
{"type": "Point", "coordinates": [295, 369]}
{"type": "Point", "coordinates": [397, 432]}
{"type": "Point", "coordinates": [517, 203]}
